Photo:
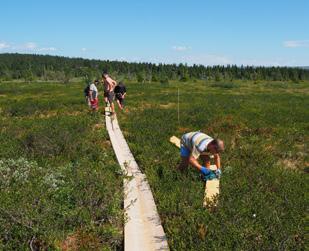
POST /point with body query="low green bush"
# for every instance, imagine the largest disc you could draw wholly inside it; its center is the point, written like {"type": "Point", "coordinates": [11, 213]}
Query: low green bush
{"type": "Point", "coordinates": [60, 187]}
{"type": "Point", "coordinates": [262, 203]}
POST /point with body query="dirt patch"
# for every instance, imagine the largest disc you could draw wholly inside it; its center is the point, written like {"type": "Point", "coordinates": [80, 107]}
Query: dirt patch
{"type": "Point", "coordinates": [75, 113]}
{"type": "Point", "coordinates": [97, 126]}
{"type": "Point", "coordinates": [145, 106]}
{"type": "Point", "coordinates": [167, 106]}
{"type": "Point", "coordinates": [140, 107]}
{"type": "Point", "coordinates": [80, 241]}
{"type": "Point", "coordinates": [183, 130]}
{"type": "Point", "coordinates": [50, 114]}
{"type": "Point", "coordinates": [70, 243]}
{"type": "Point", "coordinates": [289, 164]}
{"type": "Point", "coordinates": [104, 144]}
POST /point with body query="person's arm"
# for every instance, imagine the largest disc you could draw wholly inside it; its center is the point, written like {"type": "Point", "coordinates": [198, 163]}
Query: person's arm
{"type": "Point", "coordinates": [90, 95]}
{"type": "Point", "coordinates": [124, 92]}
{"type": "Point", "coordinates": [217, 161]}
{"type": "Point", "coordinates": [193, 161]}
{"type": "Point", "coordinates": [202, 169]}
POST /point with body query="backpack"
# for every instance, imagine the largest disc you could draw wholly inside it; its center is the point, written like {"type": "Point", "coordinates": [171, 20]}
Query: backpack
{"type": "Point", "coordinates": [86, 90]}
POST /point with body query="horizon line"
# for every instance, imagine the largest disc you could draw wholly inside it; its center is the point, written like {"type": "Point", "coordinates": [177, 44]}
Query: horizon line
{"type": "Point", "coordinates": [154, 63]}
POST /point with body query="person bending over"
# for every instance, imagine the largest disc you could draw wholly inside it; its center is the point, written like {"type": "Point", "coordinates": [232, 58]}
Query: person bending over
{"type": "Point", "coordinates": [198, 144]}
{"type": "Point", "coordinates": [120, 93]}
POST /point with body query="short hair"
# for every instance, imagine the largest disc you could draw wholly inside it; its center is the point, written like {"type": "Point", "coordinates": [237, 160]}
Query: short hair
{"type": "Point", "coordinates": [104, 73]}
{"type": "Point", "coordinates": [219, 145]}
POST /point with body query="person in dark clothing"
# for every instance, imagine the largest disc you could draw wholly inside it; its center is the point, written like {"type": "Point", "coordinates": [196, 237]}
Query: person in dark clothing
{"type": "Point", "coordinates": [120, 92]}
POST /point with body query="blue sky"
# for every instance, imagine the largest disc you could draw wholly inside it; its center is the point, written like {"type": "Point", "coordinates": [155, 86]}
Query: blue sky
{"type": "Point", "coordinates": [249, 32]}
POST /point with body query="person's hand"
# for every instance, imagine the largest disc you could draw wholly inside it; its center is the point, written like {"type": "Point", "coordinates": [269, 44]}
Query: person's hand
{"type": "Point", "coordinates": [218, 173]}
{"type": "Point", "coordinates": [205, 171]}
{"type": "Point", "coordinates": [207, 174]}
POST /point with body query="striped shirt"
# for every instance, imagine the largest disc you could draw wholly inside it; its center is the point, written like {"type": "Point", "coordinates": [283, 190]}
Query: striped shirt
{"type": "Point", "coordinates": [196, 142]}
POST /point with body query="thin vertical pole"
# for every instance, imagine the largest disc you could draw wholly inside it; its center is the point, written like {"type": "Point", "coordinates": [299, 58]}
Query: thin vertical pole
{"type": "Point", "coordinates": [178, 108]}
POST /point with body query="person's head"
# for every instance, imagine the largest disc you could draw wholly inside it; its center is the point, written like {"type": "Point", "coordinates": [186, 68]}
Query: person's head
{"type": "Point", "coordinates": [96, 82]}
{"type": "Point", "coordinates": [104, 74]}
{"type": "Point", "coordinates": [216, 146]}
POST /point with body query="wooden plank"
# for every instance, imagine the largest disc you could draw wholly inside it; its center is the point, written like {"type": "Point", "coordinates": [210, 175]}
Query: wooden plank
{"type": "Point", "coordinates": [107, 111]}
{"type": "Point", "coordinates": [142, 229]}
{"type": "Point", "coordinates": [176, 141]}
{"type": "Point", "coordinates": [211, 186]}
{"type": "Point", "coordinates": [211, 190]}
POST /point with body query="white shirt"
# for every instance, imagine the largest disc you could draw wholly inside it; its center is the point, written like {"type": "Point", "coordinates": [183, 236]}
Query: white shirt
{"type": "Point", "coordinates": [196, 142]}
{"type": "Point", "coordinates": [94, 90]}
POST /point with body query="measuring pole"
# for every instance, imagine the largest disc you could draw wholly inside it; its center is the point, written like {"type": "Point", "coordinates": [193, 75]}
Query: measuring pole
{"type": "Point", "coordinates": [178, 108]}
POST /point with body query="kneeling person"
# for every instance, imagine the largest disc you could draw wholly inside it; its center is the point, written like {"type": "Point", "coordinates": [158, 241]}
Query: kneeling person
{"type": "Point", "coordinates": [195, 144]}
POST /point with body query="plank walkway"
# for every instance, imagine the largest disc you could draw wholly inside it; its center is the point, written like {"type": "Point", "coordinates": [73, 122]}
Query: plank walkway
{"type": "Point", "coordinates": [143, 230]}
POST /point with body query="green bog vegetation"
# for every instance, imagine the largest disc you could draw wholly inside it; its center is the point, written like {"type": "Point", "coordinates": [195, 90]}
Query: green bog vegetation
{"type": "Point", "coordinates": [60, 186]}
{"type": "Point", "coordinates": [264, 189]}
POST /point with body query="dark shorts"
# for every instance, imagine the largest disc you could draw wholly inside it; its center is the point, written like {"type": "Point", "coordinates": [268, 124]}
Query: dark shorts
{"type": "Point", "coordinates": [109, 95]}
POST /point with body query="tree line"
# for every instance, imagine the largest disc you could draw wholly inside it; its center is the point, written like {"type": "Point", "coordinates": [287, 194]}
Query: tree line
{"type": "Point", "coordinates": [31, 67]}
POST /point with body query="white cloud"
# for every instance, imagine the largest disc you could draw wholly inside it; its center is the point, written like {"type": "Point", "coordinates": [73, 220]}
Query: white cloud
{"type": "Point", "coordinates": [181, 48]}
{"type": "Point", "coordinates": [47, 49]}
{"type": "Point", "coordinates": [296, 43]}
{"type": "Point", "coordinates": [84, 49]}
{"type": "Point", "coordinates": [26, 47]}
{"type": "Point", "coordinates": [4, 45]}
{"type": "Point", "coordinates": [206, 59]}
{"type": "Point", "coordinates": [30, 46]}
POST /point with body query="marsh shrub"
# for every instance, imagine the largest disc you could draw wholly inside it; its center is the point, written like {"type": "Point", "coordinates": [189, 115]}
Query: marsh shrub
{"type": "Point", "coordinates": [60, 186]}
{"type": "Point", "coordinates": [36, 202]}
{"type": "Point", "coordinates": [262, 203]}
{"type": "Point", "coordinates": [16, 171]}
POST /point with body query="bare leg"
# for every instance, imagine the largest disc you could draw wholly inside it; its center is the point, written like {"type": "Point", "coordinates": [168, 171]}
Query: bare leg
{"type": "Point", "coordinates": [112, 107]}
{"type": "Point", "coordinates": [106, 103]}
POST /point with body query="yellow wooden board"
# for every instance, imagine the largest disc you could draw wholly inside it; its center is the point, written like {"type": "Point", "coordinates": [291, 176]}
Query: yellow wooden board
{"type": "Point", "coordinates": [211, 187]}
{"type": "Point", "coordinates": [176, 141]}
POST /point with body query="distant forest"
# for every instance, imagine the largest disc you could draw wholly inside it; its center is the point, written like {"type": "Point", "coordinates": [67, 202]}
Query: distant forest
{"type": "Point", "coordinates": [44, 67]}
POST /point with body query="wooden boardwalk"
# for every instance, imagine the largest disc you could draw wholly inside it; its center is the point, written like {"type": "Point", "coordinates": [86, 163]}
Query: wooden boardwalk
{"type": "Point", "coordinates": [143, 230]}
